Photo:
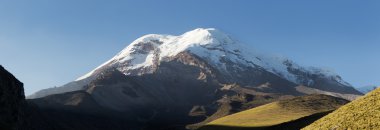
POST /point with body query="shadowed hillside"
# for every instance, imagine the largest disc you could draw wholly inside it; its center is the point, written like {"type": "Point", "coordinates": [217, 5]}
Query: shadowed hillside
{"type": "Point", "coordinates": [12, 102]}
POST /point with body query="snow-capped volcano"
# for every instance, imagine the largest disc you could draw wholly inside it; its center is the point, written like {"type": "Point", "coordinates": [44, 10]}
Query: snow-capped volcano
{"type": "Point", "coordinates": [223, 53]}
{"type": "Point", "coordinates": [143, 54]}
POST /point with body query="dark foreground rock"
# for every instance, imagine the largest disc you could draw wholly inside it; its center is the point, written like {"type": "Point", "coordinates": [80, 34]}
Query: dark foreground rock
{"type": "Point", "coordinates": [12, 102]}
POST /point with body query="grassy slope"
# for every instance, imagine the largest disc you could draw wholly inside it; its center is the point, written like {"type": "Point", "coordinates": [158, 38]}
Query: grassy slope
{"type": "Point", "coordinates": [362, 114]}
{"type": "Point", "coordinates": [291, 125]}
{"type": "Point", "coordinates": [233, 105]}
{"type": "Point", "coordinates": [280, 112]}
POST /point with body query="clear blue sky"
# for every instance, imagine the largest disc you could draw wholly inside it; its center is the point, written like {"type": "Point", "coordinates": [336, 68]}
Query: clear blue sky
{"type": "Point", "coordinates": [48, 43]}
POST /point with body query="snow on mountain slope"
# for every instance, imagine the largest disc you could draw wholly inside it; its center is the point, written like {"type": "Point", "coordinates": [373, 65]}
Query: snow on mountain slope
{"type": "Point", "coordinates": [145, 54]}
{"type": "Point", "coordinates": [210, 44]}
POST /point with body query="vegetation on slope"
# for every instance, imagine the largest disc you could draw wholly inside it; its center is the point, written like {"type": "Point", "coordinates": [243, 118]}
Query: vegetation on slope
{"type": "Point", "coordinates": [233, 104]}
{"type": "Point", "coordinates": [280, 112]}
{"type": "Point", "coordinates": [361, 114]}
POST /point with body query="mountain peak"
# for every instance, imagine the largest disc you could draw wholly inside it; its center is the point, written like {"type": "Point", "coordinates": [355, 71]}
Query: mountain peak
{"type": "Point", "coordinates": [210, 44]}
{"type": "Point", "coordinates": [202, 35]}
{"type": "Point", "coordinates": [196, 37]}
{"type": "Point", "coordinates": [206, 32]}
{"type": "Point", "coordinates": [144, 51]}
{"type": "Point", "coordinates": [210, 37]}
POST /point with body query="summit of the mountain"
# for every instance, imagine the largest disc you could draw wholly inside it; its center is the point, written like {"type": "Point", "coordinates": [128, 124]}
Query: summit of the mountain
{"type": "Point", "coordinates": [147, 51]}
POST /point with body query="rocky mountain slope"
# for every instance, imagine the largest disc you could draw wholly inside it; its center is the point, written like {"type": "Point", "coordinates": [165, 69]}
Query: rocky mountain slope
{"type": "Point", "coordinates": [280, 114]}
{"type": "Point", "coordinates": [165, 81]}
{"type": "Point", "coordinates": [18, 114]}
{"type": "Point", "coordinates": [360, 114]}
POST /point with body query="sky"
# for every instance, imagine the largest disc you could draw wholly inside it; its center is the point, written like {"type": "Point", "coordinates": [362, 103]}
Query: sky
{"type": "Point", "coordinates": [47, 43]}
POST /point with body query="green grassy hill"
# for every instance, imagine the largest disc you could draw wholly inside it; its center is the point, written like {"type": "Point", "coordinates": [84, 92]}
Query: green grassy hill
{"type": "Point", "coordinates": [360, 114]}
{"type": "Point", "coordinates": [274, 114]}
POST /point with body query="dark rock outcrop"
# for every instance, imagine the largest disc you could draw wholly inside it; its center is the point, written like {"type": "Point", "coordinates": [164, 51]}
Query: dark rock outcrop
{"type": "Point", "coordinates": [12, 102]}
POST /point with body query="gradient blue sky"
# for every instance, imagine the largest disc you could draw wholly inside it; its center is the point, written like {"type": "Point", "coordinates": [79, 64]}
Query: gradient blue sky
{"type": "Point", "coordinates": [48, 43]}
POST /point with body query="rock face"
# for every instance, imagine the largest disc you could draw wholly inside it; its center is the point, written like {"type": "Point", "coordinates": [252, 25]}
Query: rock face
{"type": "Point", "coordinates": [12, 102]}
